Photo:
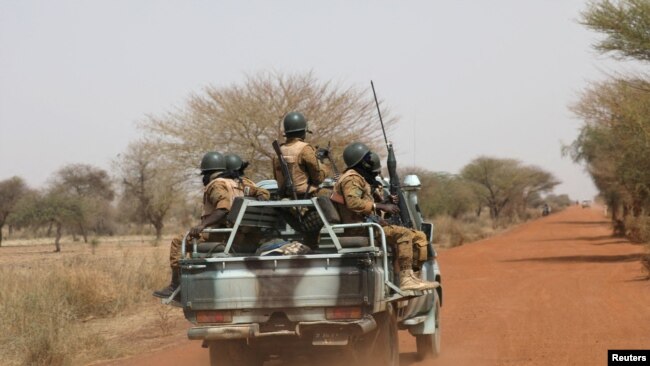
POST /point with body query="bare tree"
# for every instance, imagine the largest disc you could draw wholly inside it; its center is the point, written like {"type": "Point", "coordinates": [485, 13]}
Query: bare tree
{"type": "Point", "coordinates": [150, 183]}
{"type": "Point", "coordinates": [246, 118]}
{"type": "Point", "coordinates": [11, 190]}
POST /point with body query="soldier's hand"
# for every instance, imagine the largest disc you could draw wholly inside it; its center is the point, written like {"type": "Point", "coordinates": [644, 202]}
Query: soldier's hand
{"type": "Point", "coordinates": [388, 207]}
{"type": "Point", "coordinates": [195, 232]}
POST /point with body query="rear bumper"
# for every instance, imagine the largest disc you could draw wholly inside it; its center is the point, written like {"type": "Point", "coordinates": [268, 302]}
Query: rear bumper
{"type": "Point", "coordinates": [244, 331]}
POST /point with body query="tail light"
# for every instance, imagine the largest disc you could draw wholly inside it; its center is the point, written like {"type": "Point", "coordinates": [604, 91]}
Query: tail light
{"type": "Point", "coordinates": [214, 316]}
{"type": "Point", "coordinates": [348, 312]}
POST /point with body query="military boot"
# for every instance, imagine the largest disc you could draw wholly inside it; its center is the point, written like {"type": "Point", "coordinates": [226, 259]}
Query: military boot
{"type": "Point", "coordinates": [173, 285]}
{"type": "Point", "coordinates": [428, 285]}
{"type": "Point", "coordinates": [407, 281]}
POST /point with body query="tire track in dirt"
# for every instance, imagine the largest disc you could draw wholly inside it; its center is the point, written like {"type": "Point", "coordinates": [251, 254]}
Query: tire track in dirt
{"type": "Point", "coordinates": [556, 291]}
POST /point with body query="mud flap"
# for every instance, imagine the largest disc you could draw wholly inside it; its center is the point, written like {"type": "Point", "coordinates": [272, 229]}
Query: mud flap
{"type": "Point", "coordinates": [428, 326]}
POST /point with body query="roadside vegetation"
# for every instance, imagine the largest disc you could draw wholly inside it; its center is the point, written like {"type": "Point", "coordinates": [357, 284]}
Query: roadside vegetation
{"type": "Point", "coordinates": [614, 140]}
{"type": "Point", "coordinates": [50, 305]}
{"type": "Point", "coordinates": [50, 308]}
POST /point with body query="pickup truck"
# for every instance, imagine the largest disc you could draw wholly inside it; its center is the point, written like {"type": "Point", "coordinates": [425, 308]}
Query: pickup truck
{"type": "Point", "coordinates": [340, 298]}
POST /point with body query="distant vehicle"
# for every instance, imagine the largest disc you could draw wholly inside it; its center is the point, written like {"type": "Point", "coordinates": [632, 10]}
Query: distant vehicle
{"type": "Point", "coordinates": [546, 210]}
{"type": "Point", "coordinates": [586, 203]}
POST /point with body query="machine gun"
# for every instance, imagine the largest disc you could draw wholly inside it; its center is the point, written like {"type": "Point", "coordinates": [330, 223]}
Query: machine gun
{"type": "Point", "coordinates": [404, 219]}
{"type": "Point", "coordinates": [288, 181]}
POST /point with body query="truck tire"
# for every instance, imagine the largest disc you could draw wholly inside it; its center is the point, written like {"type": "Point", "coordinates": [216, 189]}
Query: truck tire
{"type": "Point", "coordinates": [428, 345]}
{"type": "Point", "coordinates": [233, 353]}
{"type": "Point", "coordinates": [381, 346]}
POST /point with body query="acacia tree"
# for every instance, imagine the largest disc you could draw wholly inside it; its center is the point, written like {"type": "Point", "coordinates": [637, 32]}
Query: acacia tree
{"type": "Point", "coordinates": [92, 188]}
{"type": "Point", "coordinates": [502, 182]}
{"type": "Point", "coordinates": [614, 144]}
{"type": "Point", "coordinates": [11, 191]}
{"type": "Point", "coordinates": [51, 207]}
{"type": "Point", "coordinates": [149, 183]}
{"type": "Point", "coordinates": [625, 23]}
{"type": "Point", "coordinates": [442, 193]}
{"type": "Point", "coordinates": [246, 118]}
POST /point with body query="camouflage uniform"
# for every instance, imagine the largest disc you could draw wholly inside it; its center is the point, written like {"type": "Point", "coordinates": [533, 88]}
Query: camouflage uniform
{"type": "Point", "coordinates": [419, 238]}
{"type": "Point", "coordinates": [359, 203]}
{"type": "Point", "coordinates": [220, 193]}
{"type": "Point", "coordinates": [306, 171]}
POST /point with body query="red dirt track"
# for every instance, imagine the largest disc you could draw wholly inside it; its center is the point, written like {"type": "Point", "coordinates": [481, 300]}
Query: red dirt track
{"type": "Point", "coordinates": [555, 291]}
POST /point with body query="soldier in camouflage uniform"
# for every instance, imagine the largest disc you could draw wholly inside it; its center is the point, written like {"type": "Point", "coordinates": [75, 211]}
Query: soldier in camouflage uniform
{"type": "Point", "coordinates": [355, 188]}
{"type": "Point", "coordinates": [307, 173]}
{"type": "Point", "coordinates": [223, 183]}
{"type": "Point", "coordinates": [420, 241]}
{"type": "Point", "coordinates": [305, 168]}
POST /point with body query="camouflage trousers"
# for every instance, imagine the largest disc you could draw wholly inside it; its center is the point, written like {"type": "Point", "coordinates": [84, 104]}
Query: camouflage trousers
{"type": "Point", "coordinates": [175, 251]}
{"type": "Point", "coordinates": [420, 243]}
{"type": "Point", "coordinates": [401, 239]}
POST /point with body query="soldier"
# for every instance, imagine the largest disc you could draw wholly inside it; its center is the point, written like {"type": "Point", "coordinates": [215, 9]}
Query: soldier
{"type": "Point", "coordinates": [221, 179]}
{"type": "Point", "coordinates": [355, 187]}
{"type": "Point", "coordinates": [304, 166]}
{"type": "Point", "coordinates": [420, 241]}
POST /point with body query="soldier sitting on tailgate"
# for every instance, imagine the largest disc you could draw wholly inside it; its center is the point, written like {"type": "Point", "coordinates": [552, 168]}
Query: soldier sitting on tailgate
{"type": "Point", "coordinates": [381, 195]}
{"type": "Point", "coordinates": [354, 199]}
{"type": "Point", "coordinates": [222, 183]}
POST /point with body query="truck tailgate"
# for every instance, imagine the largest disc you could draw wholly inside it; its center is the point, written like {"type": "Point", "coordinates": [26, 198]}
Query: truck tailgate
{"type": "Point", "coordinates": [278, 282]}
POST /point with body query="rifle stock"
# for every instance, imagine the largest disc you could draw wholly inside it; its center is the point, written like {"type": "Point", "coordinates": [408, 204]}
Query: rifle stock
{"type": "Point", "coordinates": [288, 181]}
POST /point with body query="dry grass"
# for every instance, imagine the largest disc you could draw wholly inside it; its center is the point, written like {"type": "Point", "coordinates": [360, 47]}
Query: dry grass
{"type": "Point", "coordinates": [450, 232]}
{"type": "Point", "coordinates": [49, 305]}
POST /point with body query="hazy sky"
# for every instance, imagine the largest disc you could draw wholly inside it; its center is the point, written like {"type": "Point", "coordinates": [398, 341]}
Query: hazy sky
{"type": "Point", "coordinates": [468, 78]}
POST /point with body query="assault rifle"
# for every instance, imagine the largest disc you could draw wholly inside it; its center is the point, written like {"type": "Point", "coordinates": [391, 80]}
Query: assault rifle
{"type": "Point", "coordinates": [288, 181]}
{"type": "Point", "coordinates": [404, 219]}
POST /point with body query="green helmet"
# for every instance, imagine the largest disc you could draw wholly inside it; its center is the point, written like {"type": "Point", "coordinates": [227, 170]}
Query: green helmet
{"type": "Point", "coordinates": [233, 162]}
{"type": "Point", "coordinates": [375, 162]}
{"type": "Point", "coordinates": [211, 161]}
{"type": "Point", "coordinates": [354, 153]}
{"type": "Point", "coordinates": [294, 122]}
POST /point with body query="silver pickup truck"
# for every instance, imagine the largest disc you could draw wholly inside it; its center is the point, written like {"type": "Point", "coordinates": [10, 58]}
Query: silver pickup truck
{"type": "Point", "coordinates": [340, 298]}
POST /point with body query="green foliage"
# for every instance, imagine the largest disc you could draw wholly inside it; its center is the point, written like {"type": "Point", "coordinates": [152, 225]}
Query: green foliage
{"type": "Point", "coordinates": [626, 24]}
{"type": "Point", "coordinates": [558, 202]}
{"type": "Point", "coordinates": [11, 191]}
{"type": "Point", "coordinates": [443, 194]}
{"type": "Point", "coordinates": [614, 144]}
{"type": "Point", "coordinates": [506, 184]}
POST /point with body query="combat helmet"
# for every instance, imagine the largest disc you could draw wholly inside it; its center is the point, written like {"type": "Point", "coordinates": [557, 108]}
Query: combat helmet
{"type": "Point", "coordinates": [212, 161]}
{"type": "Point", "coordinates": [375, 162]}
{"type": "Point", "coordinates": [294, 122]}
{"type": "Point", "coordinates": [233, 162]}
{"type": "Point", "coordinates": [354, 153]}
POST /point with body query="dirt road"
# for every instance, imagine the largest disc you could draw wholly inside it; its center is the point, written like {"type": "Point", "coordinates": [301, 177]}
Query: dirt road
{"type": "Point", "coordinates": [556, 291]}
